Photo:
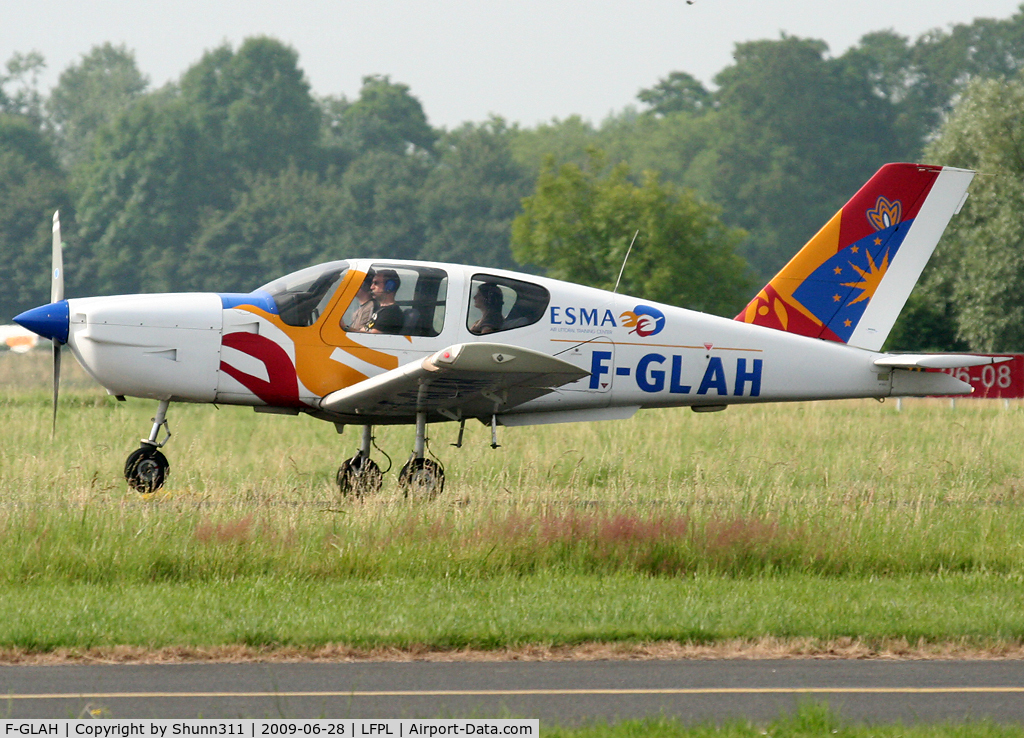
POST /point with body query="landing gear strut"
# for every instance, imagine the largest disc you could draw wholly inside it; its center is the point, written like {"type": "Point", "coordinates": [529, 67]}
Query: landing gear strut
{"type": "Point", "coordinates": [146, 468]}
{"type": "Point", "coordinates": [421, 477]}
{"type": "Point", "coordinates": [360, 475]}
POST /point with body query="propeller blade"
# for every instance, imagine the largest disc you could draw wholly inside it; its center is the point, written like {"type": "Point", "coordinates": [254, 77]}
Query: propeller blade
{"type": "Point", "coordinates": [56, 385]}
{"type": "Point", "coordinates": [56, 295]}
{"type": "Point", "coordinates": [57, 286]}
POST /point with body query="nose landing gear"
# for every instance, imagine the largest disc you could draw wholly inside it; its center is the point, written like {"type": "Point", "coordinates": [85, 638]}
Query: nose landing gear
{"type": "Point", "coordinates": [146, 468]}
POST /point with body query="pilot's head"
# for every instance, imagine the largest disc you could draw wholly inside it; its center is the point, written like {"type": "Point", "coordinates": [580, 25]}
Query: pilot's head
{"type": "Point", "coordinates": [385, 282]}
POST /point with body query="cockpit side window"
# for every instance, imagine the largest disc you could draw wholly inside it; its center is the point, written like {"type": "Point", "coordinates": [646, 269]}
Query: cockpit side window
{"type": "Point", "coordinates": [501, 304]}
{"type": "Point", "coordinates": [400, 300]}
{"type": "Point", "coordinates": [302, 296]}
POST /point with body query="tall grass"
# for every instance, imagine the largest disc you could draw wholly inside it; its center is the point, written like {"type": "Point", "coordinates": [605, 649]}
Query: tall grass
{"type": "Point", "coordinates": [824, 489]}
{"type": "Point", "coordinates": [169, 542]}
{"type": "Point", "coordinates": [810, 718]}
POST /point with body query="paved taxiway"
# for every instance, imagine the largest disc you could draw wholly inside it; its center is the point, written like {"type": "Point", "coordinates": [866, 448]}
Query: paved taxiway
{"type": "Point", "coordinates": [566, 692]}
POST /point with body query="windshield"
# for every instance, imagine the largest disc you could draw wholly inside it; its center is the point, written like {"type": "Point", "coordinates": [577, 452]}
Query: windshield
{"type": "Point", "coordinates": [303, 295]}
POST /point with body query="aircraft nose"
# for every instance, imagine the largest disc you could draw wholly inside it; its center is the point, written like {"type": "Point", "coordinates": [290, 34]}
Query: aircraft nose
{"type": "Point", "coordinates": [49, 321]}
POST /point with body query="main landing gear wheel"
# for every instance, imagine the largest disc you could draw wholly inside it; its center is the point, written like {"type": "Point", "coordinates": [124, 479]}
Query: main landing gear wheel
{"type": "Point", "coordinates": [422, 478]}
{"type": "Point", "coordinates": [146, 469]}
{"type": "Point", "coordinates": [359, 475]}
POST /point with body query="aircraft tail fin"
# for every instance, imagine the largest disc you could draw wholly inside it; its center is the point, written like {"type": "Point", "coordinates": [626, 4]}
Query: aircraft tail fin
{"type": "Point", "coordinates": [849, 283]}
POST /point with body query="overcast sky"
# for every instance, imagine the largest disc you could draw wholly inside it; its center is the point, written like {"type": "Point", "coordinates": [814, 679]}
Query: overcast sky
{"type": "Point", "coordinates": [526, 60]}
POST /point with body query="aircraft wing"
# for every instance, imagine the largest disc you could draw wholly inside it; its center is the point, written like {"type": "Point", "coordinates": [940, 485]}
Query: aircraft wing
{"type": "Point", "coordinates": [464, 380]}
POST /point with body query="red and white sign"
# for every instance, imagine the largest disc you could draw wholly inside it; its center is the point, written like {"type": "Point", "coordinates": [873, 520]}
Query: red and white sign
{"type": "Point", "coordinates": [1002, 381]}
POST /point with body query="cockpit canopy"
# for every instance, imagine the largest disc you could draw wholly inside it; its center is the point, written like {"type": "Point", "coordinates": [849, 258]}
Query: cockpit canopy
{"type": "Point", "coordinates": [301, 296]}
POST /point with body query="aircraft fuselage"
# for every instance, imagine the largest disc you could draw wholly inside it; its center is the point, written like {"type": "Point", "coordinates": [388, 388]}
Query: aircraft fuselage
{"type": "Point", "coordinates": [242, 349]}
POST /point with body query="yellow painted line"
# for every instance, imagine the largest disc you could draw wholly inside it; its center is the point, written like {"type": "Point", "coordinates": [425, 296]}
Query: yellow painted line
{"type": "Point", "coordinates": [530, 692]}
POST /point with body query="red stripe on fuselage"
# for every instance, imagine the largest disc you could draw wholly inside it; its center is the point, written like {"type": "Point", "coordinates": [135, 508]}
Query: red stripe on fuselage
{"type": "Point", "coordinates": [283, 387]}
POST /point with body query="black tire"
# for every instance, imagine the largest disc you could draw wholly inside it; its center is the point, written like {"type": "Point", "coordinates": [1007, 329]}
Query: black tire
{"type": "Point", "coordinates": [146, 469]}
{"type": "Point", "coordinates": [360, 476]}
{"type": "Point", "coordinates": [422, 479]}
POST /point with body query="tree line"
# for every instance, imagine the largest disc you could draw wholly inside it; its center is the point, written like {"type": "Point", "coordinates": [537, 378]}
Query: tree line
{"type": "Point", "coordinates": [236, 173]}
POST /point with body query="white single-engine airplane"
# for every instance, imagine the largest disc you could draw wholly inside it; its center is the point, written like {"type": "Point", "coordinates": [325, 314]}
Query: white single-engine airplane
{"type": "Point", "coordinates": [448, 343]}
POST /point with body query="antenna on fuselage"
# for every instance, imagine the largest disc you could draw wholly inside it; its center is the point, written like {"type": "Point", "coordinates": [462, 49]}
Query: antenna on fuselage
{"type": "Point", "coordinates": [624, 261]}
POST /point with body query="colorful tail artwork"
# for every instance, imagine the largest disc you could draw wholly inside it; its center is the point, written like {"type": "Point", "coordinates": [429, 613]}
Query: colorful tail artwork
{"type": "Point", "coordinates": [849, 283]}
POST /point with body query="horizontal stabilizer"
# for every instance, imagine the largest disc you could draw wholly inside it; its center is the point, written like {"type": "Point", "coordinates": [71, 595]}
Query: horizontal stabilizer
{"type": "Point", "coordinates": [464, 380]}
{"type": "Point", "coordinates": [937, 361]}
{"type": "Point", "coordinates": [909, 383]}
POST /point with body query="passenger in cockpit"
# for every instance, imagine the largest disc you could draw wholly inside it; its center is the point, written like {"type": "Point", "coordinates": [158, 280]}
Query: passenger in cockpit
{"type": "Point", "coordinates": [367, 305]}
{"type": "Point", "coordinates": [489, 301]}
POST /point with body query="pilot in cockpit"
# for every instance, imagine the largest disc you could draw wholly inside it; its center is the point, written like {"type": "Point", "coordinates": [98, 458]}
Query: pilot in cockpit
{"type": "Point", "coordinates": [388, 317]}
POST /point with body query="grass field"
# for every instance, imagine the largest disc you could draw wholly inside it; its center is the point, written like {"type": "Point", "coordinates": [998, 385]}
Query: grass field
{"type": "Point", "coordinates": [819, 523]}
{"type": "Point", "coordinates": [811, 719]}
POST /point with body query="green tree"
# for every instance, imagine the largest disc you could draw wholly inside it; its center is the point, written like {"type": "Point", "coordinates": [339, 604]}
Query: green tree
{"type": "Point", "coordinates": [140, 194]}
{"type": "Point", "coordinates": [176, 155]}
{"type": "Point", "coordinates": [471, 196]}
{"type": "Point", "coordinates": [386, 117]}
{"type": "Point", "coordinates": [566, 140]}
{"type": "Point", "coordinates": [790, 133]}
{"type": "Point", "coordinates": [679, 92]}
{"type": "Point", "coordinates": [675, 144]}
{"type": "Point", "coordinates": [89, 94]}
{"type": "Point", "coordinates": [336, 153]}
{"type": "Point", "coordinates": [923, 79]}
{"type": "Point", "coordinates": [945, 62]}
{"type": "Point", "coordinates": [979, 275]}
{"type": "Point", "coordinates": [32, 186]}
{"type": "Point", "coordinates": [796, 135]}
{"type": "Point", "coordinates": [887, 62]}
{"type": "Point", "coordinates": [928, 320]}
{"type": "Point", "coordinates": [19, 86]}
{"type": "Point", "coordinates": [579, 223]}
{"type": "Point", "coordinates": [280, 223]}
{"type": "Point", "coordinates": [382, 195]}
{"type": "Point", "coordinates": [254, 107]}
